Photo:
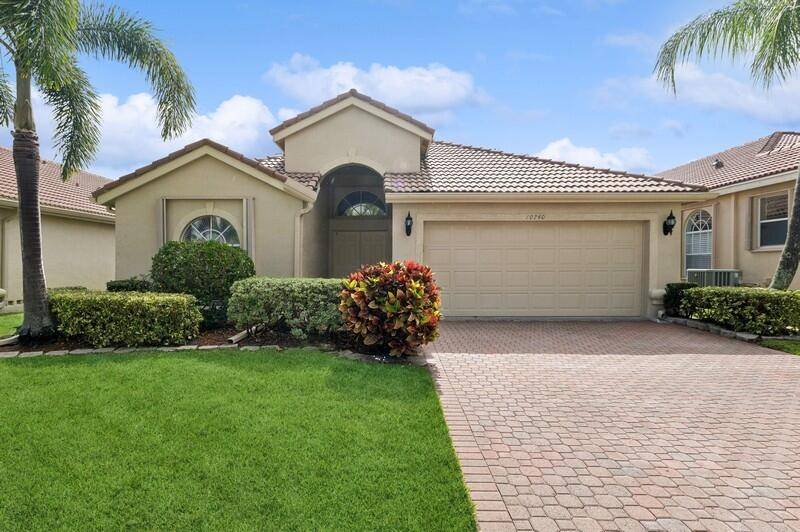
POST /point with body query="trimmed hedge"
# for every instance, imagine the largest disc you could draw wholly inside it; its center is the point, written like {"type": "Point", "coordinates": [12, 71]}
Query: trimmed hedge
{"type": "Point", "coordinates": [393, 307]}
{"type": "Point", "coordinates": [134, 284]}
{"type": "Point", "coordinates": [205, 270]}
{"type": "Point", "coordinates": [301, 306]}
{"type": "Point", "coordinates": [673, 297]}
{"type": "Point", "coordinates": [760, 311]}
{"type": "Point", "coordinates": [127, 319]}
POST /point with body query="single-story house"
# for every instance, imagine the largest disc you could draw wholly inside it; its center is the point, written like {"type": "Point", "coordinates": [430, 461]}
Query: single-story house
{"type": "Point", "coordinates": [77, 233]}
{"type": "Point", "coordinates": [358, 181]}
{"type": "Point", "coordinates": [744, 226]}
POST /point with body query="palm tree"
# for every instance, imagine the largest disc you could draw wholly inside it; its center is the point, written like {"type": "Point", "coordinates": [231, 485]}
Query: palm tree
{"type": "Point", "coordinates": [43, 39]}
{"type": "Point", "coordinates": [767, 33]}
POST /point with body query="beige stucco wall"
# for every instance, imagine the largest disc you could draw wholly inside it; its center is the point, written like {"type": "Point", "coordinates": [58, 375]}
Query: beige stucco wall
{"type": "Point", "coordinates": [662, 259]}
{"type": "Point", "coordinates": [315, 238]}
{"type": "Point", "coordinates": [206, 186]}
{"type": "Point", "coordinates": [352, 136]}
{"type": "Point", "coordinates": [75, 253]}
{"type": "Point", "coordinates": [732, 232]}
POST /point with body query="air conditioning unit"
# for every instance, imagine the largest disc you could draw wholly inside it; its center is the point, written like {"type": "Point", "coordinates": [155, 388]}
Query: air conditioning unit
{"type": "Point", "coordinates": [714, 277]}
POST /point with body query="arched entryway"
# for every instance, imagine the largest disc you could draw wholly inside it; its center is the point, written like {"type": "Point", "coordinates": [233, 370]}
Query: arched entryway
{"type": "Point", "coordinates": [358, 218]}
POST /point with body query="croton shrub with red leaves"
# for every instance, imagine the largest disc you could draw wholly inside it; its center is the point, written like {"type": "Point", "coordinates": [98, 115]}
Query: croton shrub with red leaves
{"type": "Point", "coordinates": [392, 306]}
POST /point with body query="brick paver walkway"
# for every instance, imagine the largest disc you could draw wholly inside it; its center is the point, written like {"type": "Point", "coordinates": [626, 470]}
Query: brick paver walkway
{"type": "Point", "coordinates": [621, 426]}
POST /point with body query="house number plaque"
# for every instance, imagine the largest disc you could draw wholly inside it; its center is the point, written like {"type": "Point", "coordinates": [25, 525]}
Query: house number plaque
{"type": "Point", "coordinates": [534, 217]}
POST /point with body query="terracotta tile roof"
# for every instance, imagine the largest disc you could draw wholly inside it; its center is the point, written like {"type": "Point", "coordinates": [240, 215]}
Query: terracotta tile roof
{"type": "Point", "coordinates": [775, 154]}
{"type": "Point", "coordinates": [449, 167]}
{"type": "Point", "coordinates": [74, 195]}
{"type": "Point", "coordinates": [275, 163]}
{"type": "Point", "coordinates": [355, 94]}
{"type": "Point", "coordinates": [183, 151]}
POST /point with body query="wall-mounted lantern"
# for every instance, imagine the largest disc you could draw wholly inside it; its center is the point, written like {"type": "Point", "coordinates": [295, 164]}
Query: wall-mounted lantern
{"type": "Point", "coordinates": [669, 224]}
{"type": "Point", "coordinates": [409, 223]}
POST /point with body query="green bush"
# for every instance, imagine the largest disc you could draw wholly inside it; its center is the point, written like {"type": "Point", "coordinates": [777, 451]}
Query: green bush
{"type": "Point", "coordinates": [300, 306]}
{"type": "Point", "coordinates": [103, 319]}
{"type": "Point", "coordinates": [393, 307]}
{"type": "Point", "coordinates": [673, 297]}
{"type": "Point", "coordinates": [205, 270]}
{"type": "Point", "coordinates": [759, 311]}
{"type": "Point", "coordinates": [134, 284]}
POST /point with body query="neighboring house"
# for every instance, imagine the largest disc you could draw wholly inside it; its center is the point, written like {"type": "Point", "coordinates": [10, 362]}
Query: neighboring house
{"type": "Point", "coordinates": [744, 228]}
{"type": "Point", "coordinates": [358, 182]}
{"type": "Point", "coordinates": [77, 233]}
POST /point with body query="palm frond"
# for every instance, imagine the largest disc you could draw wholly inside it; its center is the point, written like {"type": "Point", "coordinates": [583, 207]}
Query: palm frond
{"type": "Point", "coordinates": [112, 33]}
{"type": "Point", "coordinates": [44, 33]}
{"type": "Point", "coordinates": [76, 110]}
{"type": "Point", "coordinates": [777, 48]}
{"type": "Point", "coordinates": [6, 98]}
{"type": "Point", "coordinates": [731, 31]}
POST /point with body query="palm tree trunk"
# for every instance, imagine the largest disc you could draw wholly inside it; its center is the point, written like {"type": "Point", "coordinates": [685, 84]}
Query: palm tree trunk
{"type": "Point", "coordinates": [37, 322]}
{"type": "Point", "coordinates": [790, 257]}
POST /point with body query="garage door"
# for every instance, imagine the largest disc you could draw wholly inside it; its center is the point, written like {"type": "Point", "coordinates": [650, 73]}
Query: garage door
{"type": "Point", "coordinates": [559, 269]}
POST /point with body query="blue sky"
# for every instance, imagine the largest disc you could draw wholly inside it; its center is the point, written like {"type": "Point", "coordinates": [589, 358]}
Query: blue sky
{"type": "Point", "coordinates": [567, 79]}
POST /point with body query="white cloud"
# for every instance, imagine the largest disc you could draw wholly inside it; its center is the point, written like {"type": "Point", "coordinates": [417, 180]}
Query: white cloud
{"type": "Point", "coordinates": [622, 159]}
{"type": "Point", "coordinates": [433, 89]}
{"type": "Point", "coordinates": [131, 137]}
{"type": "Point", "coordinates": [781, 104]}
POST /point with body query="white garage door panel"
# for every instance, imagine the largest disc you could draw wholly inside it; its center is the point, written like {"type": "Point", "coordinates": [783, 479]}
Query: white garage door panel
{"type": "Point", "coordinates": [537, 268]}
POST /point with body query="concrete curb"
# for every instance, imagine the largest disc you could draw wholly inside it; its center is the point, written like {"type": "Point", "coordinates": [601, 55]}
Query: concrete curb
{"type": "Point", "coordinates": [420, 360]}
{"type": "Point", "coordinates": [715, 329]}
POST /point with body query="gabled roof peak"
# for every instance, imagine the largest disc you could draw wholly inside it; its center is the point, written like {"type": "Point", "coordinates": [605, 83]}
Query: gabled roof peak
{"type": "Point", "coordinates": [352, 93]}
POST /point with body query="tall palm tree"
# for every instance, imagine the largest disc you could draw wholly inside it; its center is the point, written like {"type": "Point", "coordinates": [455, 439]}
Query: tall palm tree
{"type": "Point", "coordinates": [43, 39]}
{"type": "Point", "coordinates": [767, 34]}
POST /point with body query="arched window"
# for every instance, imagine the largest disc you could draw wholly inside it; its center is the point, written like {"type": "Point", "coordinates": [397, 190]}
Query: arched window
{"type": "Point", "coordinates": [210, 227]}
{"type": "Point", "coordinates": [699, 241]}
{"type": "Point", "coordinates": [361, 204]}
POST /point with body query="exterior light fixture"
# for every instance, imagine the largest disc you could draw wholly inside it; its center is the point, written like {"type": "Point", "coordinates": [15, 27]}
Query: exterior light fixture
{"type": "Point", "coordinates": [409, 223]}
{"type": "Point", "coordinates": [669, 224]}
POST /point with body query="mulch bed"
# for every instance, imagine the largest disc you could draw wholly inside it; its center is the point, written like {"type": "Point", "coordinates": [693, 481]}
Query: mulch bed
{"type": "Point", "coordinates": [210, 337]}
{"type": "Point", "coordinates": [56, 344]}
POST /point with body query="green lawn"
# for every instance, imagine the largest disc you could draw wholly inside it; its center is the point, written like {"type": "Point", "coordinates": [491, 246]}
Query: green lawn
{"type": "Point", "coordinates": [215, 440]}
{"type": "Point", "coordinates": [9, 323]}
{"type": "Point", "coordinates": [790, 346]}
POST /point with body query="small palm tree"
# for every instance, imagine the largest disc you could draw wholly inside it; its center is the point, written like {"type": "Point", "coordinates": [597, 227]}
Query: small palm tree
{"type": "Point", "coordinates": [43, 39]}
{"type": "Point", "coordinates": [768, 33]}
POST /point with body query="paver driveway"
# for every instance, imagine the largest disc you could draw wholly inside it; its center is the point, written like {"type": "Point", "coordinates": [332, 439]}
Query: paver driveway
{"type": "Point", "coordinates": [621, 426]}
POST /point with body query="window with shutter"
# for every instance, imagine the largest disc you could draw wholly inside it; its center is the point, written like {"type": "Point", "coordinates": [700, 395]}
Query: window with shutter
{"type": "Point", "coordinates": [773, 219]}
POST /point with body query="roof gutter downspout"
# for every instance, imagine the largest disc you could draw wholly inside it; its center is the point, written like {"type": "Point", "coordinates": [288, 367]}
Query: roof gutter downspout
{"type": "Point", "coordinates": [298, 237]}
